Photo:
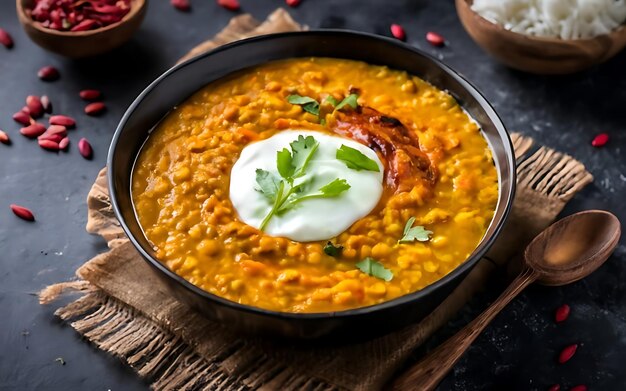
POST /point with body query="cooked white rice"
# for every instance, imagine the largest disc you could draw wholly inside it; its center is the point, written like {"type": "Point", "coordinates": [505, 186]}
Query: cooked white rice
{"type": "Point", "coordinates": [565, 19]}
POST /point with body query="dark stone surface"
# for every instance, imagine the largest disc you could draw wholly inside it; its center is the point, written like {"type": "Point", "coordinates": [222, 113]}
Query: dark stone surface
{"type": "Point", "coordinates": [517, 352]}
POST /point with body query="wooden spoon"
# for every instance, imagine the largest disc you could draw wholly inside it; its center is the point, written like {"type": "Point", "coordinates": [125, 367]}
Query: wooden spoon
{"type": "Point", "coordinates": [567, 251]}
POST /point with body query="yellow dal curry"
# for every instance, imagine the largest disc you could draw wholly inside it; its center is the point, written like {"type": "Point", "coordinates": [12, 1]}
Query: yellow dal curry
{"type": "Point", "coordinates": [180, 189]}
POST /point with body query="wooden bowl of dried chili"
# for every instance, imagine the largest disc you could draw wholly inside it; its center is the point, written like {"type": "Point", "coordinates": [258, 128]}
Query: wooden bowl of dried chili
{"type": "Point", "coordinates": [80, 28]}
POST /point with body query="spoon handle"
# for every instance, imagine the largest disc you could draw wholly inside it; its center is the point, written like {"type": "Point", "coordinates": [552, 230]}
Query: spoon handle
{"type": "Point", "coordinates": [426, 374]}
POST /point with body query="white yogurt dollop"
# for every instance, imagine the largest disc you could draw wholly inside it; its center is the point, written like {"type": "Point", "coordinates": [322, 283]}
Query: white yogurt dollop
{"type": "Point", "coordinates": [314, 219]}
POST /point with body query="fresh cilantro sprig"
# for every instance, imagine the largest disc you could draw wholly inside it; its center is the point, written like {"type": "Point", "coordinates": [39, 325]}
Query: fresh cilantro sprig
{"type": "Point", "coordinates": [355, 159]}
{"type": "Point", "coordinates": [331, 189]}
{"type": "Point", "coordinates": [412, 234]}
{"type": "Point", "coordinates": [284, 193]}
{"type": "Point", "coordinates": [350, 100]}
{"type": "Point", "coordinates": [374, 268]}
{"type": "Point", "coordinates": [311, 105]}
{"type": "Point", "coordinates": [331, 101]}
{"type": "Point", "coordinates": [292, 164]}
{"type": "Point", "coordinates": [308, 104]}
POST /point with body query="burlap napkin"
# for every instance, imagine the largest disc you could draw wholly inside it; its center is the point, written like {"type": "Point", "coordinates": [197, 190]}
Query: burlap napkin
{"type": "Point", "coordinates": [125, 311]}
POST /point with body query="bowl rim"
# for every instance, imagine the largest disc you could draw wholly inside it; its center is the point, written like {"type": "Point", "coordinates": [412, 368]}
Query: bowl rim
{"type": "Point", "coordinates": [621, 29]}
{"type": "Point", "coordinates": [137, 6]}
{"type": "Point", "coordinates": [465, 266]}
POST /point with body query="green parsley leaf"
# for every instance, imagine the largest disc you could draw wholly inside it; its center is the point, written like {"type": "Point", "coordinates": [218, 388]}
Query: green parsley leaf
{"type": "Point", "coordinates": [313, 108]}
{"type": "Point", "coordinates": [350, 100]}
{"type": "Point", "coordinates": [300, 100]}
{"type": "Point", "coordinates": [412, 234]}
{"type": "Point", "coordinates": [356, 160]}
{"type": "Point", "coordinates": [330, 190]}
{"type": "Point", "coordinates": [284, 163]}
{"type": "Point", "coordinates": [303, 150]}
{"type": "Point", "coordinates": [374, 268]}
{"type": "Point", "coordinates": [279, 198]}
{"type": "Point", "coordinates": [331, 250]}
{"type": "Point", "coordinates": [268, 184]}
{"type": "Point", "coordinates": [330, 99]}
{"type": "Point", "coordinates": [308, 104]}
{"type": "Point", "coordinates": [335, 187]}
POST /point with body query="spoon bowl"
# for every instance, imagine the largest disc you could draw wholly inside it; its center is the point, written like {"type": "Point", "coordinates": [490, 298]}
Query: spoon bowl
{"type": "Point", "coordinates": [573, 247]}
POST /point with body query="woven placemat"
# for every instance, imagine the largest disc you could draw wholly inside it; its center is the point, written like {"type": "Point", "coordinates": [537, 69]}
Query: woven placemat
{"type": "Point", "coordinates": [125, 311]}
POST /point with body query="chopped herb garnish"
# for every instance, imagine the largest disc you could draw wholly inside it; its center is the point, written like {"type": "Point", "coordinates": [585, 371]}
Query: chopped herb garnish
{"type": "Point", "coordinates": [412, 234]}
{"type": "Point", "coordinates": [350, 100]}
{"type": "Point", "coordinates": [331, 99]}
{"type": "Point", "coordinates": [335, 188]}
{"type": "Point", "coordinates": [311, 105]}
{"type": "Point", "coordinates": [283, 193]}
{"type": "Point", "coordinates": [313, 108]}
{"type": "Point", "coordinates": [374, 268]}
{"type": "Point", "coordinates": [300, 100]}
{"type": "Point", "coordinates": [268, 183]}
{"type": "Point", "coordinates": [331, 189]}
{"type": "Point", "coordinates": [308, 104]}
{"type": "Point", "coordinates": [331, 250]}
{"type": "Point", "coordinates": [303, 150]}
{"type": "Point", "coordinates": [356, 160]}
{"type": "Point", "coordinates": [284, 163]}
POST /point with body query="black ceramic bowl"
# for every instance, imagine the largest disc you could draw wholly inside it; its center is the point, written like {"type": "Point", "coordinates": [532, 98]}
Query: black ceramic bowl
{"type": "Point", "coordinates": [175, 85]}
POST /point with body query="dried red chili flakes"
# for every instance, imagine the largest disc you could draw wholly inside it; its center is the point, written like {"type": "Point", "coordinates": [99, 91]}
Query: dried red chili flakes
{"type": "Point", "coordinates": [600, 140]}
{"type": "Point", "coordinates": [78, 15]}
{"type": "Point", "coordinates": [561, 313]}
{"type": "Point", "coordinates": [398, 32]}
{"type": "Point", "coordinates": [292, 3]}
{"type": "Point", "coordinates": [85, 25]}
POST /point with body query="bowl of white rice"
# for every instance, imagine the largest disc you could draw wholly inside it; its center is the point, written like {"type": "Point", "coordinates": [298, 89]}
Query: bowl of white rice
{"type": "Point", "coordinates": [546, 36]}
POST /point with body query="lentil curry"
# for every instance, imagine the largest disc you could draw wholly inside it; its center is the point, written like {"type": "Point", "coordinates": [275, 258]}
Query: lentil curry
{"type": "Point", "coordinates": [439, 174]}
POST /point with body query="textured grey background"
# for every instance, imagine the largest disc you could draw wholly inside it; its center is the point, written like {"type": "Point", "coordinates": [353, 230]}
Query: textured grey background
{"type": "Point", "coordinates": [517, 352]}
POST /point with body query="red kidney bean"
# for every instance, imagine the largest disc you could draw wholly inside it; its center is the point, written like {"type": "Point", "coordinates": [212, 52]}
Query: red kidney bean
{"type": "Point", "coordinates": [398, 32]}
